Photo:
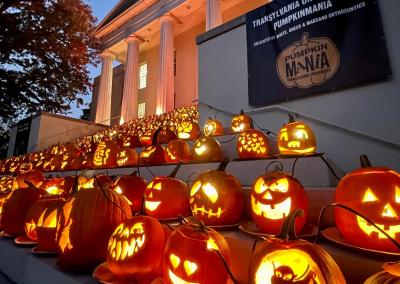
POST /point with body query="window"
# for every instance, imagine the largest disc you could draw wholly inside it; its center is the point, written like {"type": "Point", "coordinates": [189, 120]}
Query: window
{"type": "Point", "coordinates": [141, 110]}
{"type": "Point", "coordinates": [142, 76]}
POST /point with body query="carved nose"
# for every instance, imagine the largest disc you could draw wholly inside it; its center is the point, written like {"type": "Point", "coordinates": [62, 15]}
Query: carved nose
{"type": "Point", "coordinates": [267, 195]}
{"type": "Point", "coordinates": [388, 211]}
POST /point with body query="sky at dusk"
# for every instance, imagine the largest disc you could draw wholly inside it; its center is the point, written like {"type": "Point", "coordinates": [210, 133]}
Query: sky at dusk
{"type": "Point", "coordinates": [100, 9]}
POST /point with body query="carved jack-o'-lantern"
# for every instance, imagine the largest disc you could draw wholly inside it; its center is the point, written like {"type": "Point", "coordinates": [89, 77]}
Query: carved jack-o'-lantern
{"type": "Point", "coordinates": [106, 155]}
{"type": "Point", "coordinates": [6, 185]}
{"type": "Point", "coordinates": [296, 138]}
{"type": "Point", "coordinates": [188, 130]}
{"type": "Point", "coordinates": [217, 197]}
{"type": "Point", "coordinates": [177, 151]}
{"type": "Point", "coordinates": [131, 141]}
{"type": "Point", "coordinates": [152, 155]}
{"type": "Point", "coordinates": [46, 227]}
{"type": "Point", "coordinates": [286, 259]}
{"type": "Point", "coordinates": [241, 122]}
{"type": "Point", "coordinates": [135, 249]}
{"type": "Point", "coordinates": [165, 135]}
{"type": "Point", "coordinates": [167, 197]}
{"type": "Point", "coordinates": [252, 144]}
{"type": "Point", "coordinates": [273, 196]}
{"type": "Point", "coordinates": [308, 62]}
{"type": "Point", "coordinates": [213, 127]}
{"type": "Point", "coordinates": [146, 138]}
{"type": "Point", "coordinates": [207, 149]}
{"type": "Point", "coordinates": [193, 256]}
{"type": "Point", "coordinates": [375, 193]}
{"type": "Point", "coordinates": [127, 157]}
{"type": "Point", "coordinates": [132, 187]}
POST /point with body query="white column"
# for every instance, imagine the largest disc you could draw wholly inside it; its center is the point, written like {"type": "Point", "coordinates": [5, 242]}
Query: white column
{"type": "Point", "coordinates": [213, 14]}
{"type": "Point", "coordinates": [165, 84]}
{"type": "Point", "coordinates": [130, 94]}
{"type": "Point", "coordinates": [103, 109]}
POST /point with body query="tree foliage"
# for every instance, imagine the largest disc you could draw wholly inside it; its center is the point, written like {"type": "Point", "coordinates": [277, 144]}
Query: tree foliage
{"type": "Point", "coordinates": [45, 47]}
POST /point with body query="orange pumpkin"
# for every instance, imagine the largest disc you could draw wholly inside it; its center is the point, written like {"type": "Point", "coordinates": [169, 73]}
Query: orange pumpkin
{"type": "Point", "coordinates": [106, 155]}
{"type": "Point", "coordinates": [188, 129]}
{"type": "Point", "coordinates": [165, 135]}
{"type": "Point", "coordinates": [389, 275]}
{"type": "Point", "coordinates": [132, 187]}
{"type": "Point", "coordinates": [252, 144]}
{"type": "Point", "coordinates": [127, 157]}
{"type": "Point", "coordinates": [213, 127]}
{"type": "Point", "coordinates": [207, 149]}
{"type": "Point", "coordinates": [241, 122]}
{"type": "Point", "coordinates": [177, 151]}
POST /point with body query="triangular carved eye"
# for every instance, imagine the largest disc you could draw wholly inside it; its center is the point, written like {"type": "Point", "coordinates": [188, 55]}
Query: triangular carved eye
{"type": "Point", "coordinates": [369, 196]}
{"type": "Point", "coordinates": [397, 198]}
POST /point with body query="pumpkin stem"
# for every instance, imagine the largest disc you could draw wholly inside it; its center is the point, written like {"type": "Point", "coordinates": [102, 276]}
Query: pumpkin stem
{"type": "Point", "coordinates": [364, 161]}
{"type": "Point", "coordinates": [134, 174]}
{"type": "Point", "coordinates": [291, 118]}
{"type": "Point", "coordinates": [278, 166]}
{"type": "Point", "coordinates": [175, 171]}
{"type": "Point", "coordinates": [304, 39]}
{"type": "Point", "coordinates": [222, 166]}
{"type": "Point", "coordinates": [155, 136]}
{"type": "Point", "coordinates": [288, 228]}
{"type": "Point", "coordinates": [241, 112]}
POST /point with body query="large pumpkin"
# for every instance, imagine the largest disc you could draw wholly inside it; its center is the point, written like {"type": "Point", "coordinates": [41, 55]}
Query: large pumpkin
{"type": "Point", "coordinates": [217, 197]}
{"type": "Point", "coordinates": [273, 196]}
{"type": "Point", "coordinates": [15, 209]}
{"type": "Point", "coordinates": [296, 138]}
{"type": "Point", "coordinates": [132, 187]}
{"type": "Point", "coordinates": [252, 144]}
{"type": "Point", "coordinates": [241, 122]}
{"type": "Point", "coordinates": [193, 255]}
{"type": "Point", "coordinates": [286, 259]}
{"type": "Point", "coordinates": [135, 249]}
{"type": "Point", "coordinates": [207, 149]}
{"type": "Point", "coordinates": [85, 225]}
{"type": "Point", "coordinates": [167, 197]}
{"type": "Point", "coordinates": [375, 193]}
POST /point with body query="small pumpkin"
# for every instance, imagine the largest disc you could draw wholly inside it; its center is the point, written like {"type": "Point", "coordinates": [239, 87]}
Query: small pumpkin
{"type": "Point", "coordinates": [217, 197]}
{"type": "Point", "coordinates": [193, 255]}
{"type": "Point", "coordinates": [177, 151]}
{"type": "Point", "coordinates": [159, 193]}
{"type": "Point", "coordinates": [287, 259]}
{"type": "Point", "coordinates": [131, 141]}
{"type": "Point", "coordinates": [188, 129]}
{"type": "Point", "coordinates": [207, 149]}
{"type": "Point", "coordinates": [296, 138]}
{"type": "Point", "coordinates": [213, 127]}
{"type": "Point", "coordinates": [135, 249]}
{"type": "Point", "coordinates": [127, 157]}
{"type": "Point", "coordinates": [132, 187]}
{"type": "Point", "coordinates": [274, 196]}
{"type": "Point", "coordinates": [165, 135]}
{"type": "Point", "coordinates": [241, 122]}
{"type": "Point", "coordinates": [375, 193]}
{"type": "Point", "coordinates": [154, 154]}
{"type": "Point", "coordinates": [252, 144]}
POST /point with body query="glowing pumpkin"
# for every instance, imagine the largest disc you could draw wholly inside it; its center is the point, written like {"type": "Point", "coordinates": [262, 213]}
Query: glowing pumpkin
{"type": "Point", "coordinates": [131, 141]}
{"type": "Point", "coordinates": [252, 144]}
{"type": "Point", "coordinates": [375, 193]}
{"type": "Point", "coordinates": [152, 155]}
{"type": "Point", "coordinates": [167, 197]}
{"type": "Point", "coordinates": [86, 222]}
{"type": "Point", "coordinates": [146, 139]}
{"type": "Point", "coordinates": [127, 157]}
{"type": "Point", "coordinates": [274, 196]}
{"type": "Point", "coordinates": [47, 226]}
{"type": "Point", "coordinates": [217, 197]}
{"type": "Point", "coordinates": [136, 248]}
{"type": "Point", "coordinates": [213, 127]}
{"type": "Point", "coordinates": [286, 259]}
{"type": "Point", "coordinates": [165, 135]}
{"type": "Point", "coordinates": [207, 149]}
{"type": "Point", "coordinates": [24, 180]}
{"type": "Point", "coordinates": [106, 155]}
{"type": "Point", "coordinates": [296, 138]}
{"type": "Point", "coordinates": [177, 151]}
{"type": "Point", "coordinates": [241, 122]}
{"type": "Point", "coordinates": [193, 255]}
{"type": "Point", "coordinates": [188, 130]}
{"type": "Point", "coordinates": [6, 185]}
{"type": "Point", "coordinates": [132, 187]}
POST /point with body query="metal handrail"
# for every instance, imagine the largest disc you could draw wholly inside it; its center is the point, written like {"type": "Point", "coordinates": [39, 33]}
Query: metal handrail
{"type": "Point", "coordinates": [309, 117]}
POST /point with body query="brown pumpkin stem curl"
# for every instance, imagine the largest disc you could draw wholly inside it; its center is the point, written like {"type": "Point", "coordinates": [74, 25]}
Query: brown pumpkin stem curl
{"type": "Point", "coordinates": [288, 231]}
{"type": "Point", "coordinates": [222, 166]}
{"type": "Point", "coordinates": [396, 244]}
{"type": "Point", "coordinates": [175, 171]}
{"type": "Point", "coordinates": [291, 118]}
{"type": "Point", "coordinates": [278, 166]}
{"type": "Point", "coordinates": [364, 161]}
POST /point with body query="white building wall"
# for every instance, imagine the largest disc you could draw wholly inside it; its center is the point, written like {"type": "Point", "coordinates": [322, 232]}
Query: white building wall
{"type": "Point", "coordinates": [362, 119]}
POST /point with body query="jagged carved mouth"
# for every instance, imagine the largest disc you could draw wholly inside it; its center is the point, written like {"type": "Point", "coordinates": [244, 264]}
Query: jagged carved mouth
{"type": "Point", "coordinates": [301, 151]}
{"type": "Point", "coordinates": [120, 250]}
{"type": "Point", "coordinates": [209, 212]}
{"type": "Point", "coordinates": [274, 211]}
{"type": "Point", "coordinates": [176, 280]}
{"type": "Point", "coordinates": [152, 205]}
{"type": "Point", "coordinates": [370, 230]}
{"type": "Point", "coordinates": [122, 162]}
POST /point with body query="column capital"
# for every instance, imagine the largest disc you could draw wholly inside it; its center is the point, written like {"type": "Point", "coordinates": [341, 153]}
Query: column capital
{"type": "Point", "coordinates": [167, 18]}
{"type": "Point", "coordinates": [107, 53]}
{"type": "Point", "coordinates": [134, 38]}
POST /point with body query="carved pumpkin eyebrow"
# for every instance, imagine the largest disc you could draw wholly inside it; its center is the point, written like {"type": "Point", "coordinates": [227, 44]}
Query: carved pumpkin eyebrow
{"type": "Point", "coordinates": [300, 126]}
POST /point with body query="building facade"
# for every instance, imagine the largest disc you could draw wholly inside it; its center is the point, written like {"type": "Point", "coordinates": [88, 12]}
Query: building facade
{"type": "Point", "coordinates": [154, 42]}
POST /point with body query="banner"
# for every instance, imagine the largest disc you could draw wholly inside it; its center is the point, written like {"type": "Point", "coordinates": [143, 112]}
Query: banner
{"type": "Point", "coordinates": [298, 48]}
